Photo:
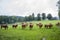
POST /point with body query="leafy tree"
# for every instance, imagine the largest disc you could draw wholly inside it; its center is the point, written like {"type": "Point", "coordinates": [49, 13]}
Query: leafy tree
{"type": "Point", "coordinates": [38, 17]}
{"type": "Point", "coordinates": [26, 18]}
{"type": "Point", "coordinates": [59, 9]}
{"type": "Point", "coordinates": [33, 16]}
{"type": "Point", "coordinates": [59, 14]}
{"type": "Point", "coordinates": [49, 16]}
{"type": "Point", "coordinates": [43, 16]}
{"type": "Point", "coordinates": [30, 18]}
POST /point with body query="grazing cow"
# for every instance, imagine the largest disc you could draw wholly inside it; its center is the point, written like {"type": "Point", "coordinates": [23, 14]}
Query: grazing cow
{"type": "Point", "coordinates": [30, 26]}
{"type": "Point", "coordinates": [46, 25]}
{"type": "Point", "coordinates": [40, 25]}
{"type": "Point", "coordinates": [24, 25]}
{"type": "Point", "coordinates": [14, 25]}
{"type": "Point", "coordinates": [58, 24]}
{"type": "Point", "coordinates": [50, 25]}
{"type": "Point", "coordinates": [4, 26]}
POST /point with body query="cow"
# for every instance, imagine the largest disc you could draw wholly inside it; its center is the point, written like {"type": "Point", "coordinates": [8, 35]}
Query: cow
{"type": "Point", "coordinates": [58, 24]}
{"type": "Point", "coordinates": [48, 25]}
{"type": "Point", "coordinates": [31, 26]}
{"type": "Point", "coordinates": [39, 25]}
{"type": "Point", "coordinates": [4, 26]}
{"type": "Point", "coordinates": [24, 25]}
{"type": "Point", "coordinates": [14, 25]}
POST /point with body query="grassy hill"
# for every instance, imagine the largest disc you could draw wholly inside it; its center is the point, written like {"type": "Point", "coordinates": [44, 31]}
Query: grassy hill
{"type": "Point", "coordinates": [34, 34]}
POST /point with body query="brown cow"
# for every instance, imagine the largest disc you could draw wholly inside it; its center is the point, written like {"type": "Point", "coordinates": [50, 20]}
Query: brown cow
{"type": "Point", "coordinates": [58, 24]}
{"type": "Point", "coordinates": [48, 25]}
{"type": "Point", "coordinates": [14, 25]}
{"type": "Point", "coordinates": [40, 25]}
{"type": "Point", "coordinates": [24, 25]}
{"type": "Point", "coordinates": [31, 26]}
{"type": "Point", "coordinates": [4, 26]}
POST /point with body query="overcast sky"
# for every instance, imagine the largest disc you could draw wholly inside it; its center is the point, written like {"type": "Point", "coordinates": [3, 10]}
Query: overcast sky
{"type": "Point", "coordinates": [27, 7]}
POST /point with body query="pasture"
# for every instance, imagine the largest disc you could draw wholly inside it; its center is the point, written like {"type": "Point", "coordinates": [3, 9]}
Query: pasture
{"type": "Point", "coordinates": [34, 34]}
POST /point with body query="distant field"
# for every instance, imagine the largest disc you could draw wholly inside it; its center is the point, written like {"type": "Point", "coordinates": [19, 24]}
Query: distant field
{"type": "Point", "coordinates": [34, 34]}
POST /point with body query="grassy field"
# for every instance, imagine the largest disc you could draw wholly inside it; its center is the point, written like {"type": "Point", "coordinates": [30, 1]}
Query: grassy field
{"type": "Point", "coordinates": [34, 34]}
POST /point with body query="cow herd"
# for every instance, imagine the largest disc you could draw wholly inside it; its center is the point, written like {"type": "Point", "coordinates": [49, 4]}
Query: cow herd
{"type": "Point", "coordinates": [30, 25]}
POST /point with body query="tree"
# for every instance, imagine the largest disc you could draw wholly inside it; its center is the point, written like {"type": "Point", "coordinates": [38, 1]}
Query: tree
{"type": "Point", "coordinates": [59, 9]}
{"type": "Point", "coordinates": [38, 17]}
{"type": "Point", "coordinates": [33, 16]}
{"type": "Point", "coordinates": [49, 16]}
{"type": "Point", "coordinates": [26, 18]}
{"type": "Point", "coordinates": [59, 14]}
{"type": "Point", "coordinates": [11, 19]}
{"type": "Point", "coordinates": [43, 16]}
{"type": "Point", "coordinates": [30, 18]}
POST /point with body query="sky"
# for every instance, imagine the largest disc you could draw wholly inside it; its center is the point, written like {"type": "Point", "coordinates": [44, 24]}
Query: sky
{"type": "Point", "coordinates": [27, 7]}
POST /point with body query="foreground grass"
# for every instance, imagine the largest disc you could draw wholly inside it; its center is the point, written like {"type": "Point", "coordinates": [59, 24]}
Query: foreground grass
{"type": "Point", "coordinates": [34, 34]}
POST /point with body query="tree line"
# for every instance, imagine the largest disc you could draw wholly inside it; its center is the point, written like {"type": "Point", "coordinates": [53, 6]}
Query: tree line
{"type": "Point", "coordinates": [13, 19]}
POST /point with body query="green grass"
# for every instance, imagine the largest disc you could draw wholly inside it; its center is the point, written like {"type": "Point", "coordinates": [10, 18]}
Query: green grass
{"type": "Point", "coordinates": [34, 34]}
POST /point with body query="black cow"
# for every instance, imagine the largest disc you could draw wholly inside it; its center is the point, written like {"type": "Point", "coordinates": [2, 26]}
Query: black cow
{"type": "Point", "coordinates": [4, 26]}
{"type": "Point", "coordinates": [14, 25]}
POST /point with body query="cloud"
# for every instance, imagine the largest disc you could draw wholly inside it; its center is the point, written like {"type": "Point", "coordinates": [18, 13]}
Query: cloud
{"type": "Point", "coordinates": [27, 7]}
